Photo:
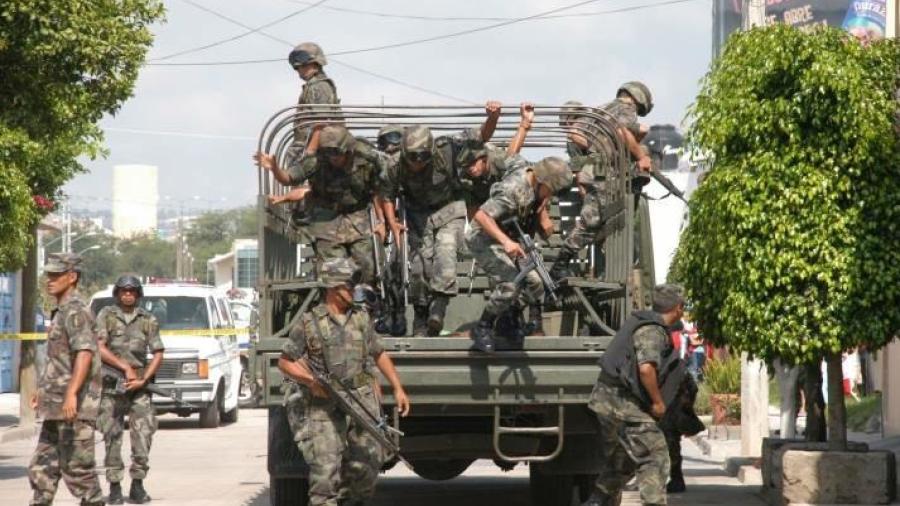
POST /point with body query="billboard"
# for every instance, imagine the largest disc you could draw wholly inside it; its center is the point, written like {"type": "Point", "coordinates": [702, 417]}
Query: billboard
{"type": "Point", "coordinates": [865, 19]}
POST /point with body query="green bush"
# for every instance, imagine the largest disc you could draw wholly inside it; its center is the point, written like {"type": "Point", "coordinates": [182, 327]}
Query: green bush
{"type": "Point", "coordinates": [723, 376]}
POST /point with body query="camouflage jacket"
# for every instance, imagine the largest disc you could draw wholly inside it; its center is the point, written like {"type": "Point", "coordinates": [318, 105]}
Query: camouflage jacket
{"type": "Point", "coordinates": [320, 89]}
{"type": "Point", "coordinates": [338, 190]}
{"type": "Point", "coordinates": [70, 332]}
{"type": "Point", "coordinates": [512, 197]}
{"type": "Point", "coordinates": [477, 190]}
{"type": "Point", "coordinates": [132, 340]}
{"type": "Point", "coordinates": [341, 344]}
{"type": "Point", "coordinates": [438, 184]}
{"type": "Point", "coordinates": [600, 150]}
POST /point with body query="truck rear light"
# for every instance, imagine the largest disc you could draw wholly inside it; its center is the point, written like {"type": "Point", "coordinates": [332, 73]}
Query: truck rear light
{"type": "Point", "coordinates": [204, 369]}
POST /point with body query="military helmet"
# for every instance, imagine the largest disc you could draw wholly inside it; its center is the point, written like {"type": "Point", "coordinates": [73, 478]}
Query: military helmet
{"type": "Point", "coordinates": [554, 172]}
{"type": "Point", "coordinates": [389, 136]}
{"type": "Point", "coordinates": [306, 52]}
{"type": "Point", "coordinates": [470, 152]}
{"type": "Point", "coordinates": [417, 139]}
{"type": "Point", "coordinates": [569, 112]}
{"type": "Point", "coordinates": [336, 272]}
{"type": "Point", "coordinates": [128, 281]}
{"type": "Point", "coordinates": [337, 138]}
{"type": "Point", "coordinates": [641, 95]}
{"type": "Point", "coordinates": [667, 297]}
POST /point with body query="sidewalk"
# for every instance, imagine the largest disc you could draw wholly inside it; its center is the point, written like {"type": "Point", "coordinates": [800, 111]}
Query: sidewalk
{"type": "Point", "coordinates": [10, 430]}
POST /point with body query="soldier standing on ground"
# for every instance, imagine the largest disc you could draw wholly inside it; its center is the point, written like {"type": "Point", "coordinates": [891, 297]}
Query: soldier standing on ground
{"type": "Point", "coordinates": [520, 196]}
{"type": "Point", "coordinates": [125, 334]}
{"type": "Point", "coordinates": [68, 397]}
{"type": "Point", "coordinates": [594, 154]}
{"type": "Point", "coordinates": [342, 177]}
{"type": "Point", "coordinates": [427, 177]}
{"type": "Point", "coordinates": [628, 402]}
{"type": "Point", "coordinates": [344, 460]}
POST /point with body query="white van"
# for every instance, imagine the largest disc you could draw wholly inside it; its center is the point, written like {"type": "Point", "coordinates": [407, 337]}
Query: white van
{"type": "Point", "coordinates": [202, 369]}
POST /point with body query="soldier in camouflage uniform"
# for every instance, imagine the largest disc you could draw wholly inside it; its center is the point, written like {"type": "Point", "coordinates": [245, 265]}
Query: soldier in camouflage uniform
{"type": "Point", "coordinates": [593, 154]}
{"type": "Point", "coordinates": [426, 176]}
{"type": "Point", "coordinates": [341, 177]}
{"type": "Point", "coordinates": [308, 60]}
{"type": "Point", "coordinates": [628, 403]}
{"type": "Point", "coordinates": [520, 196]}
{"type": "Point", "coordinates": [389, 137]}
{"type": "Point", "coordinates": [126, 333]}
{"type": "Point", "coordinates": [337, 338]}
{"type": "Point", "coordinates": [68, 396]}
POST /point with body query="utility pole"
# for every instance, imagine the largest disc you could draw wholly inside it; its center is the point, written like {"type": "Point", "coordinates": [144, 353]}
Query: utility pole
{"type": "Point", "coordinates": [753, 13]}
{"type": "Point", "coordinates": [179, 247]}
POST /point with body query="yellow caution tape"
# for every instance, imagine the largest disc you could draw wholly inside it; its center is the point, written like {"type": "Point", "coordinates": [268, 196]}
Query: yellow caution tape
{"type": "Point", "coordinates": [40, 336]}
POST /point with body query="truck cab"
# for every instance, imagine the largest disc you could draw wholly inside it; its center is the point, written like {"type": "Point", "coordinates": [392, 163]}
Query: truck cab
{"type": "Point", "coordinates": [201, 364]}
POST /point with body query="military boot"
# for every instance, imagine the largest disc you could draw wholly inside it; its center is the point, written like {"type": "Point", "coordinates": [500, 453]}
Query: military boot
{"type": "Point", "coordinates": [436, 313]}
{"type": "Point", "coordinates": [115, 494]}
{"type": "Point", "coordinates": [676, 485]}
{"type": "Point", "coordinates": [137, 494]}
{"type": "Point", "coordinates": [85, 502]}
{"type": "Point", "coordinates": [483, 333]}
{"type": "Point", "coordinates": [420, 321]}
{"type": "Point", "coordinates": [535, 325]}
{"type": "Point", "coordinates": [398, 324]}
{"type": "Point", "coordinates": [561, 268]}
{"type": "Point", "coordinates": [598, 499]}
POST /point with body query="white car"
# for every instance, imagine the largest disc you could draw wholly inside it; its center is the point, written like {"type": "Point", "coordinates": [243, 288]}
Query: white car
{"type": "Point", "coordinates": [202, 365]}
{"type": "Point", "coordinates": [246, 320]}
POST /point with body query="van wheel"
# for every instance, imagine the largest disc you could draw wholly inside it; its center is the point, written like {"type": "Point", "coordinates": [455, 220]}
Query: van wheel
{"type": "Point", "coordinates": [288, 492]}
{"type": "Point", "coordinates": [231, 416]}
{"type": "Point", "coordinates": [209, 417]}
{"type": "Point", "coordinates": [248, 395]}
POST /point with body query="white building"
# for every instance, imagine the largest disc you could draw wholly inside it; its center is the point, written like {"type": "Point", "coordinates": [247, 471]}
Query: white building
{"type": "Point", "coordinates": [239, 268]}
{"type": "Point", "coordinates": [135, 199]}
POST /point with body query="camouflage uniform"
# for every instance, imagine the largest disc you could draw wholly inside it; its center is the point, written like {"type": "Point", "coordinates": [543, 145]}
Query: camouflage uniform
{"type": "Point", "coordinates": [128, 337]}
{"type": "Point", "coordinates": [435, 213]}
{"type": "Point", "coordinates": [592, 165]}
{"type": "Point", "coordinates": [344, 460]}
{"type": "Point", "coordinates": [632, 442]}
{"type": "Point", "coordinates": [66, 449]}
{"type": "Point", "coordinates": [476, 191]}
{"type": "Point", "coordinates": [339, 204]}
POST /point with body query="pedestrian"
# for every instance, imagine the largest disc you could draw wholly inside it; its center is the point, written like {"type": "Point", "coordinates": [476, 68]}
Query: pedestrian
{"type": "Point", "coordinates": [426, 179]}
{"type": "Point", "coordinates": [593, 153]}
{"type": "Point", "coordinates": [68, 396]}
{"type": "Point", "coordinates": [339, 181]}
{"type": "Point", "coordinates": [343, 459]}
{"type": "Point", "coordinates": [521, 196]}
{"type": "Point", "coordinates": [126, 334]}
{"type": "Point", "coordinates": [628, 402]}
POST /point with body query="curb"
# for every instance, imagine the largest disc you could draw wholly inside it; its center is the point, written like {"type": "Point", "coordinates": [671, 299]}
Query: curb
{"type": "Point", "coordinates": [16, 433]}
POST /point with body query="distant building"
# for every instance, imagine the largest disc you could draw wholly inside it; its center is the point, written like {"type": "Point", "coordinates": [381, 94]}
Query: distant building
{"type": "Point", "coordinates": [135, 199]}
{"type": "Point", "coordinates": [239, 268]}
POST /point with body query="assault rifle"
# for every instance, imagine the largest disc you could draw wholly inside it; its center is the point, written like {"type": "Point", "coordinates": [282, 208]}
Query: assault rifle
{"type": "Point", "coordinates": [404, 252]}
{"type": "Point", "coordinates": [117, 376]}
{"type": "Point", "coordinates": [661, 179]}
{"type": "Point", "coordinates": [533, 261]}
{"type": "Point", "coordinates": [375, 424]}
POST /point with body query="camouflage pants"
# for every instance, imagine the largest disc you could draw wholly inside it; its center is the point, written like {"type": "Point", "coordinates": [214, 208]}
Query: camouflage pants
{"type": "Point", "coordinates": [434, 241]}
{"type": "Point", "coordinates": [632, 443]}
{"type": "Point", "coordinates": [502, 271]}
{"type": "Point", "coordinates": [64, 450]}
{"type": "Point", "coordinates": [142, 423]}
{"type": "Point", "coordinates": [589, 229]}
{"type": "Point", "coordinates": [345, 236]}
{"type": "Point", "coordinates": [343, 459]}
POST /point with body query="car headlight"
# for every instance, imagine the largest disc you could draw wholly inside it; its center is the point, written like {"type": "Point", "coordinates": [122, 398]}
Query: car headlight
{"type": "Point", "coordinates": [189, 368]}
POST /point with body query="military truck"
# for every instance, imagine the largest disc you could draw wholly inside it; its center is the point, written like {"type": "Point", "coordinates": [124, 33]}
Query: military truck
{"type": "Point", "coordinates": [523, 407]}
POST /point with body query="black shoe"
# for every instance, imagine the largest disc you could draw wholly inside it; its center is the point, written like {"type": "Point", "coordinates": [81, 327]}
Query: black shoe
{"type": "Point", "coordinates": [85, 502]}
{"type": "Point", "coordinates": [675, 486]}
{"type": "Point", "coordinates": [436, 313]}
{"type": "Point", "coordinates": [398, 325]}
{"type": "Point", "coordinates": [138, 495]}
{"type": "Point", "coordinates": [115, 494]}
{"type": "Point", "coordinates": [535, 325]}
{"type": "Point", "coordinates": [420, 321]}
{"type": "Point", "coordinates": [483, 333]}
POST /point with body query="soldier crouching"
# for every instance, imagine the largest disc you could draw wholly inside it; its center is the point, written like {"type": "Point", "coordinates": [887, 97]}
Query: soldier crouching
{"type": "Point", "coordinates": [68, 397]}
{"type": "Point", "coordinates": [335, 336]}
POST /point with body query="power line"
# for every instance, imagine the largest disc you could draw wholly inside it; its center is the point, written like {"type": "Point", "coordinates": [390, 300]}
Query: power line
{"type": "Point", "coordinates": [250, 31]}
{"type": "Point", "coordinates": [179, 134]}
{"type": "Point", "coordinates": [509, 21]}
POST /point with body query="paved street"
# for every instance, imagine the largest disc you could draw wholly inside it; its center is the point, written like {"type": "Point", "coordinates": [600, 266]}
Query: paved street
{"type": "Point", "coordinates": [226, 466]}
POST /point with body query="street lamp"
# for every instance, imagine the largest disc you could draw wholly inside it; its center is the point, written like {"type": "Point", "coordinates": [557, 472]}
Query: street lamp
{"type": "Point", "coordinates": [92, 233]}
{"type": "Point", "coordinates": [89, 248]}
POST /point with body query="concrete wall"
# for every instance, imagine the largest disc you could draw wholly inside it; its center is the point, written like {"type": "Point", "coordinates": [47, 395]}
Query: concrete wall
{"type": "Point", "coordinates": [135, 199]}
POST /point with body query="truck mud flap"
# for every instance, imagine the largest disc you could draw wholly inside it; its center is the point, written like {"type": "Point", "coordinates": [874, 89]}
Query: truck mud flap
{"type": "Point", "coordinates": [284, 460]}
{"type": "Point", "coordinates": [557, 430]}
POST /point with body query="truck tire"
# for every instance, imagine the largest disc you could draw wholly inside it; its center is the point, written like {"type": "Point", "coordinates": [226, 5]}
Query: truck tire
{"type": "Point", "coordinates": [248, 392]}
{"type": "Point", "coordinates": [231, 416]}
{"type": "Point", "coordinates": [441, 470]}
{"type": "Point", "coordinates": [210, 415]}
{"type": "Point", "coordinates": [585, 485]}
{"type": "Point", "coordinates": [288, 492]}
{"type": "Point", "coordinates": [550, 489]}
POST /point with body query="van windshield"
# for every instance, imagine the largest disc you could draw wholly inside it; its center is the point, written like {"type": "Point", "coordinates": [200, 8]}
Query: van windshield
{"type": "Point", "coordinates": [173, 313]}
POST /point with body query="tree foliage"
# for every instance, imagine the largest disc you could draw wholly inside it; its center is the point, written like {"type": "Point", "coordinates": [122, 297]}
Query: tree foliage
{"type": "Point", "coordinates": [15, 213]}
{"type": "Point", "coordinates": [792, 250]}
{"type": "Point", "coordinates": [64, 64]}
{"type": "Point", "coordinates": [214, 232]}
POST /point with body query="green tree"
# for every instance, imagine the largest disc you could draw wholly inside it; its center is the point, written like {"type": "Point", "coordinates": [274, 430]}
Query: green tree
{"type": "Point", "coordinates": [214, 232]}
{"type": "Point", "coordinates": [792, 249]}
{"type": "Point", "coordinates": [16, 216]}
{"type": "Point", "coordinates": [146, 255]}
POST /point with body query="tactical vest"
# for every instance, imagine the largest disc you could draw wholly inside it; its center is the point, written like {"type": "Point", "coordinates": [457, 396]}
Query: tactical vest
{"type": "Point", "coordinates": [345, 191]}
{"type": "Point", "coordinates": [435, 186]}
{"type": "Point", "coordinates": [620, 364]}
{"type": "Point", "coordinates": [307, 88]}
{"type": "Point", "coordinates": [341, 351]}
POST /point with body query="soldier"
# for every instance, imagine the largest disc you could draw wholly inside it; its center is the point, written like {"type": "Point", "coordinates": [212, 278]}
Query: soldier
{"type": "Point", "coordinates": [628, 402]}
{"type": "Point", "coordinates": [308, 59]}
{"type": "Point", "coordinates": [389, 137]}
{"type": "Point", "coordinates": [125, 334]}
{"type": "Point", "coordinates": [343, 459]}
{"type": "Point", "coordinates": [427, 177]}
{"type": "Point", "coordinates": [393, 314]}
{"type": "Point", "coordinates": [342, 177]}
{"type": "Point", "coordinates": [593, 153]}
{"type": "Point", "coordinates": [520, 196]}
{"type": "Point", "coordinates": [68, 397]}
